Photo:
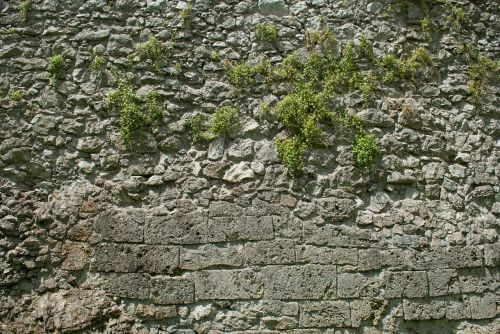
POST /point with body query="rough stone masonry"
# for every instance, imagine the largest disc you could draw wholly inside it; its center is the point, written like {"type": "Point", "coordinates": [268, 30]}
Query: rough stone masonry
{"type": "Point", "coordinates": [177, 236]}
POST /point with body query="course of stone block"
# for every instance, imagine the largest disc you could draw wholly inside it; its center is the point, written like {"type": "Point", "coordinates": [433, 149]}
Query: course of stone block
{"type": "Point", "coordinates": [177, 235]}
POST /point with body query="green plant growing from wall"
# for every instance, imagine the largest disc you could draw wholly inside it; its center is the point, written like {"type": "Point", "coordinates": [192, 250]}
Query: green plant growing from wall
{"type": "Point", "coordinates": [154, 50]}
{"type": "Point", "coordinates": [481, 71]}
{"type": "Point", "coordinates": [98, 64]}
{"type": "Point", "coordinates": [214, 56]}
{"type": "Point", "coordinates": [240, 75]}
{"type": "Point", "coordinates": [26, 9]}
{"type": "Point", "coordinates": [321, 37]}
{"type": "Point", "coordinates": [185, 15]}
{"type": "Point", "coordinates": [16, 96]}
{"type": "Point", "coordinates": [266, 32]}
{"type": "Point", "coordinates": [196, 125]}
{"type": "Point", "coordinates": [56, 65]}
{"type": "Point", "coordinates": [224, 121]}
{"type": "Point", "coordinates": [135, 111]}
{"type": "Point", "coordinates": [365, 148]}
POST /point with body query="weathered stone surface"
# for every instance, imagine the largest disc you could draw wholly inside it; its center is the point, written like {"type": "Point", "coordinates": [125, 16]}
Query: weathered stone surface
{"type": "Point", "coordinates": [325, 314]}
{"type": "Point", "coordinates": [127, 285]}
{"type": "Point", "coordinates": [177, 228]}
{"type": "Point", "coordinates": [240, 228]}
{"type": "Point", "coordinates": [299, 282]}
{"type": "Point", "coordinates": [405, 284]}
{"type": "Point", "coordinates": [120, 225]}
{"type": "Point", "coordinates": [424, 309]}
{"type": "Point", "coordinates": [227, 284]}
{"type": "Point", "coordinates": [167, 290]}
{"type": "Point", "coordinates": [325, 255]}
{"type": "Point", "coordinates": [207, 256]}
{"type": "Point", "coordinates": [270, 252]}
{"type": "Point", "coordinates": [357, 285]}
{"type": "Point", "coordinates": [239, 172]}
{"type": "Point", "coordinates": [76, 255]}
{"type": "Point", "coordinates": [443, 282]}
{"type": "Point", "coordinates": [483, 306]}
{"type": "Point", "coordinates": [135, 258]}
{"type": "Point", "coordinates": [273, 7]}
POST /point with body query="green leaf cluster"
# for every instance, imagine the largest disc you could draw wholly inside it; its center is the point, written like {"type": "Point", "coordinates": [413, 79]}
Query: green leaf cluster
{"type": "Point", "coordinates": [135, 111]}
{"type": "Point", "coordinates": [266, 32]}
{"type": "Point", "coordinates": [56, 65]}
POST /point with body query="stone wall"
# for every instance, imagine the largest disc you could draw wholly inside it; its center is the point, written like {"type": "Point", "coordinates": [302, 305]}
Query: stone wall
{"type": "Point", "coordinates": [177, 236]}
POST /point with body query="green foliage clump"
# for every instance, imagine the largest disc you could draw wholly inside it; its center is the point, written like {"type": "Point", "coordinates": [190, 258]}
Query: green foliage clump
{"type": "Point", "coordinates": [364, 149]}
{"type": "Point", "coordinates": [266, 32]}
{"type": "Point", "coordinates": [56, 65]}
{"type": "Point", "coordinates": [291, 150]}
{"type": "Point", "coordinates": [196, 125]}
{"type": "Point", "coordinates": [406, 68]}
{"type": "Point", "coordinates": [185, 15]}
{"type": "Point", "coordinates": [154, 50]}
{"type": "Point", "coordinates": [224, 121]}
{"type": "Point", "coordinates": [480, 72]}
{"type": "Point", "coordinates": [16, 95]}
{"type": "Point", "coordinates": [135, 111]}
{"type": "Point", "coordinates": [241, 75]}
{"type": "Point", "coordinates": [366, 48]}
{"type": "Point", "coordinates": [98, 64]}
{"type": "Point", "coordinates": [322, 37]}
{"type": "Point", "coordinates": [214, 56]}
{"type": "Point", "coordinates": [425, 23]}
{"type": "Point", "coordinates": [26, 9]}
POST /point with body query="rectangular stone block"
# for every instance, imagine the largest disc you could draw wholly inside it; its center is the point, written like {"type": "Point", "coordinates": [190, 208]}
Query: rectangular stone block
{"type": "Point", "coordinates": [443, 282]}
{"type": "Point", "coordinates": [335, 235]}
{"type": "Point", "coordinates": [227, 284]}
{"type": "Point", "coordinates": [324, 314]}
{"type": "Point", "coordinates": [424, 309]}
{"type": "Point", "coordinates": [477, 280]}
{"type": "Point", "coordinates": [326, 255]}
{"type": "Point", "coordinates": [270, 252]}
{"type": "Point", "coordinates": [375, 258]}
{"type": "Point", "coordinates": [135, 258]}
{"type": "Point", "coordinates": [120, 225]}
{"type": "Point", "coordinates": [206, 256]}
{"type": "Point", "coordinates": [76, 255]}
{"type": "Point", "coordinates": [168, 290]}
{"type": "Point", "coordinates": [405, 284]}
{"type": "Point", "coordinates": [353, 285]}
{"type": "Point", "coordinates": [127, 285]}
{"type": "Point", "coordinates": [177, 228]}
{"type": "Point", "coordinates": [365, 309]}
{"type": "Point", "coordinates": [484, 306]}
{"type": "Point", "coordinates": [223, 229]}
{"type": "Point", "coordinates": [492, 255]}
{"type": "Point", "coordinates": [224, 209]}
{"type": "Point", "coordinates": [451, 257]}
{"type": "Point", "coordinates": [299, 282]}
{"type": "Point", "coordinates": [458, 308]}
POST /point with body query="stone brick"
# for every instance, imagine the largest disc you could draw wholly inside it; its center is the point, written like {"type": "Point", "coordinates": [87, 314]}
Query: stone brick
{"type": "Point", "coordinates": [76, 255]}
{"type": "Point", "coordinates": [374, 258]}
{"type": "Point", "coordinates": [135, 258]}
{"type": "Point", "coordinates": [492, 255]}
{"type": "Point", "coordinates": [120, 225]}
{"type": "Point", "coordinates": [224, 209]}
{"type": "Point", "coordinates": [299, 282]}
{"type": "Point", "coordinates": [353, 285]}
{"type": "Point", "coordinates": [335, 235]}
{"type": "Point", "coordinates": [458, 307]}
{"type": "Point", "coordinates": [326, 255]}
{"type": "Point", "coordinates": [177, 228]}
{"type": "Point", "coordinates": [127, 285]}
{"type": "Point", "coordinates": [167, 290]}
{"type": "Point", "coordinates": [324, 314]}
{"type": "Point", "coordinates": [206, 256]}
{"type": "Point", "coordinates": [484, 306]}
{"type": "Point", "coordinates": [405, 284]}
{"type": "Point", "coordinates": [477, 280]}
{"type": "Point", "coordinates": [336, 209]}
{"type": "Point", "coordinates": [227, 284]}
{"type": "Point", "coordinates": [223, 229]}
{"type": "Point", "coordinates": [424, 309]}
{"type": "Point", "coordinates": [366, 309]}
{"type": "Point", "coordinates": [443, 282]}
{"type": "Point", "coordinates": [270, 252]}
